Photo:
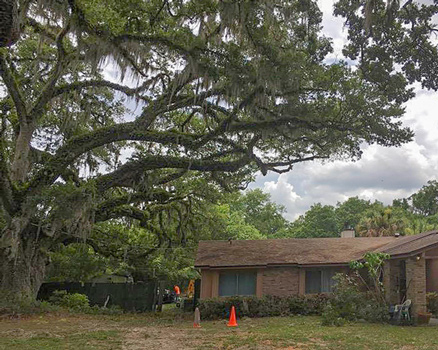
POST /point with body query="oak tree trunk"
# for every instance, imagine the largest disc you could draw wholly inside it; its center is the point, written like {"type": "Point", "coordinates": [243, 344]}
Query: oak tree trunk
{"type": "Point", "coordinates": [22, 268]}
{"type": "Point", "coordinates": [21, 163]}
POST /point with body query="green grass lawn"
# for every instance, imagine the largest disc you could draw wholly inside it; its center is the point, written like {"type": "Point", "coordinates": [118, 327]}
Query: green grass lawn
{"type": "Point", "coordinates": [173, 330]}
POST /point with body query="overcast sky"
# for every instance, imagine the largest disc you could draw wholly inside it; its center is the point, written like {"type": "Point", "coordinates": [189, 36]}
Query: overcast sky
{"type": "Point", "coordinates": [382, 173]}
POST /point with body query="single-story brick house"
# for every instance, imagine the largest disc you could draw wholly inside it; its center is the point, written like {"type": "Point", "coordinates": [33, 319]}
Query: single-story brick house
{"type": "Point", "coordinates": [306, 266]}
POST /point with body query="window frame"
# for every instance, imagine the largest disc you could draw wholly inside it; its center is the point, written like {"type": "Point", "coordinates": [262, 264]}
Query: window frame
{"type": "Point", "coordinates": [236, 273]}
{"type": "Point", "coordinates": [323, 271]}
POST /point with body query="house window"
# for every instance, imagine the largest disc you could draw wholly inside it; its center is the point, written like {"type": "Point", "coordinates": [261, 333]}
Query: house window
{"type": "Point", "coordinates": [320, 281]}
{"type": "Point", "coordinates": [237, 283]}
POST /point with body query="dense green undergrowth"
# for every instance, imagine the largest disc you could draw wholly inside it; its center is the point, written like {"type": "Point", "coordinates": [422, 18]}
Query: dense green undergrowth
{"type": "Point", "coordinates": [60, 302]}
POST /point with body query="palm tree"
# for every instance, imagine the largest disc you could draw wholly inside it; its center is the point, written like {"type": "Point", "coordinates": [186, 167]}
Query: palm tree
{"type": "Point", "coordinates": [418, 225]}
{"type": "Point", "coordinates": [379, 223]}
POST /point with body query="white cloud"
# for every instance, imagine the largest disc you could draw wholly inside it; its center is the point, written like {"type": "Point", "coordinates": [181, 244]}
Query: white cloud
{"type": "Point", "coordinates": [282, 192]}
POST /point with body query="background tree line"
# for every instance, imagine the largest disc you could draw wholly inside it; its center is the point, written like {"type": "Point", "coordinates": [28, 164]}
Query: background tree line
{"type": "Point", "coordinates": [407, 216]}
{"type": "Point", "coordinates": [240, 215]}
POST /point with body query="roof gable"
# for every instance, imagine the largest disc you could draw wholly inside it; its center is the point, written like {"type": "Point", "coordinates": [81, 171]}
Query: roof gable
{"type": "Point", "coordinates": [409, 245]}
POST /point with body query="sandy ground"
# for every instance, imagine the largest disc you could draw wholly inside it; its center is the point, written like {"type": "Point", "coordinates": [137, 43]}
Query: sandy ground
{"type": "Point", "coordinates": [154, 338]}
{"type": "Point", "coordinates": [171, 338]}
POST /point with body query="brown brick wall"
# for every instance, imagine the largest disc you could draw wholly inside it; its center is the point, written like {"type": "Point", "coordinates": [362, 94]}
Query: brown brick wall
{"type": "Point", "coordinates": [416, 283]}
{"type": "Point", "coordinates": [281, 281]}
{"type": "Point", "coordinates": [391, 281]}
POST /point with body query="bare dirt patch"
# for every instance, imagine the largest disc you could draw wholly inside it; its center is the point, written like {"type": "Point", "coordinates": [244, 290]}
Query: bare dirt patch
{"type": "Point", "coordinates": [158, 338]}
{"type": "Point", "coordinates": [172, 337]}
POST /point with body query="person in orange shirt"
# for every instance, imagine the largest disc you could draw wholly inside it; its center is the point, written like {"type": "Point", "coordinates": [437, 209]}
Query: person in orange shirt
{"type": "Point", "coordinates": [177, 296]}
{"type": "Point", "coordinates": [177, 290]}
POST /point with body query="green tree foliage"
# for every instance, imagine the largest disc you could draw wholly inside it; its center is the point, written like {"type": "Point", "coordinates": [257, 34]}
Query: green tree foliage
{"type": "Point", "coordinates": [351, 211]}
{"type": "Point", "coordinates": [425, 201]}
{"type": "Point", "coordinates": [358, 296]}
{"type": "Point", "coordinates": [421, 208]}
{"type": "Point", "coordinates": [166, 254]}
{"type": "Point", "coordinates": [75, 263]}
{"type": "Point", "coordinates": [259, 211]}
{"type": "Point", "coordinates": [386, 221]}
{"type": "Point", "coordinates": [172, 265]}
{"type": "Point", "coordinates": [318, 221]}
{"type": "Point", "coordinates": [328, 221]}
{"type": "Point", "coordinates": [373, 264]}
{"type": "Point", "coordinates": [224, 89]}
{"type": "Point", "coordinates": [232, 225]}
{"type": "Point", "coordinates": [407, 216]}
{"type": "Point", "coordinates": [402, 203]}
{"type": "Point", "coordinates": [392, 42]}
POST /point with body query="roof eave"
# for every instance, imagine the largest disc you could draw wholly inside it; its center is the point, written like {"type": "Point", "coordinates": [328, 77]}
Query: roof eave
{"type": "Point", "coordinates": [258, 266]}
{"type": "Point", "coordinates": [411, 253]}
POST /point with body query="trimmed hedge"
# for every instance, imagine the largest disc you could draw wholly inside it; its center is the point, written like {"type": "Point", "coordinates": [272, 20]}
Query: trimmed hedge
{"type": "Point", "coordinates": [266, 306]}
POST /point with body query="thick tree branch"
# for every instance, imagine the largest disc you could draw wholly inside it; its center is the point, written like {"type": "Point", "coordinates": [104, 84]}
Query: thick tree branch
{"type": "Point", "coordinates": [290, 121]}
{"type": "Point", "coordinates": [171, 177]}
{"type": "Point", "coordinates": [133, 131]}
{"type": "Point", "coordinates": [81, 144]}
{"type": "Point", "coordinates": [6, 193]}
{"type": "Point", "coordinates": [274, 166]}
{"type": "Point", "coordinates": [123, 211]}
{"type": "Point", "coordinates": [160, 196]}
{"type": "Point", "coordinates": [122, 207]}
{"type": "Point", "coordinates": [13, 88]}
{"type": "Point", "coordinates": [50, 87]}
{"type": "Point", "coordinates": [79, 85]}
{"type": "Point", "coordinates": [101, 249]}
{"type": "Point", "coordinates": [128, 173]}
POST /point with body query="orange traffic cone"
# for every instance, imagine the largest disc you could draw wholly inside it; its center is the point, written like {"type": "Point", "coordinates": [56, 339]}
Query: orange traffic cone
{"type": "Point", "coordinates": [232, 322]}
{"type": "Point", "coordinates": [197, 322]}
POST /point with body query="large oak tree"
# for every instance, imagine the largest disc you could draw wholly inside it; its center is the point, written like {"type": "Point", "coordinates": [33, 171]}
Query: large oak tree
{"type": "Point", "coordinates": [223, 89]}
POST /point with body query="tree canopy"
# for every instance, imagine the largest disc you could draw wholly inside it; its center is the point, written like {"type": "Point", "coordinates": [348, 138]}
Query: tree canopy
{"type": "Point", "coordinates": [328, 221]}
{"type": "Point", "coordinates": [406, 216]}
{"type": "Point", "coordinates": [223, 89]}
